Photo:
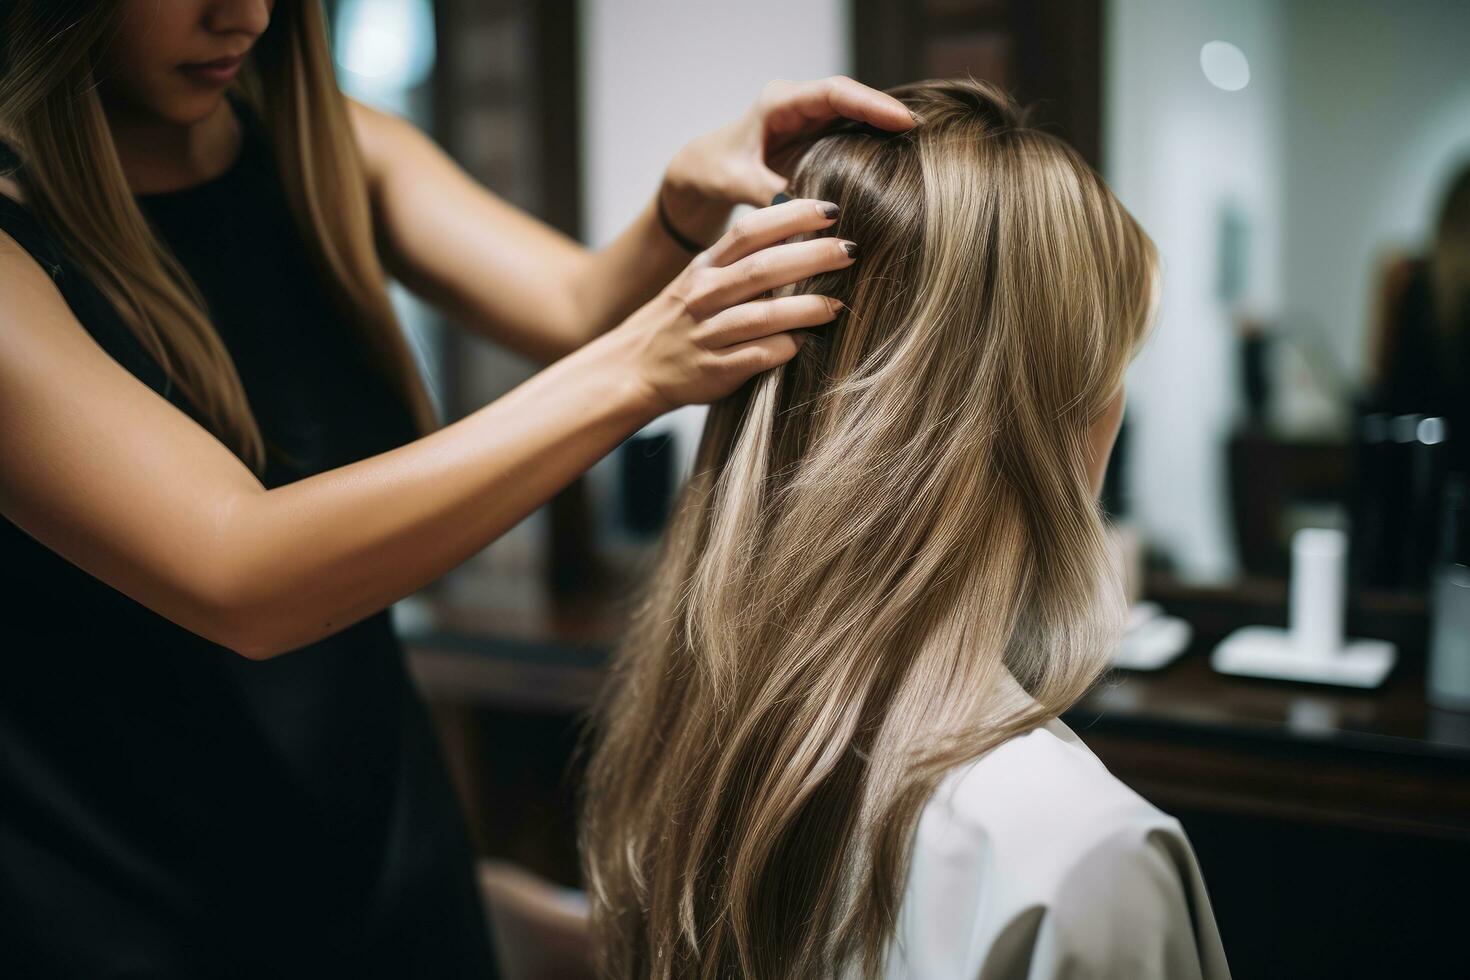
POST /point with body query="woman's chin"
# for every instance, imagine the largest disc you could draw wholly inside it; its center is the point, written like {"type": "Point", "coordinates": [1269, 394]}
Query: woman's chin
{"type": "Point", "coordinates": [180, 101]}
{"type": "Point", "coordinates": [194, 108]}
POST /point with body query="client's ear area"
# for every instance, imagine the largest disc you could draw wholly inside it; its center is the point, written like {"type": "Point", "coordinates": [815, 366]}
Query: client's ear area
{"type": "Point", "coordinates": [1100, 438]}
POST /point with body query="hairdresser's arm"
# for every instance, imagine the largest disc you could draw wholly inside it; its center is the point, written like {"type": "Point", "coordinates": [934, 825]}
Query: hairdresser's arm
{"type": "Point", "coordinates": [97, 467]}
{"type": "Point", "coordinates": [501, 272]}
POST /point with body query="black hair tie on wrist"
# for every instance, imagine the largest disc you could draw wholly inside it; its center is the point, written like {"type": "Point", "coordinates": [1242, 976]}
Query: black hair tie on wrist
{"type": "Point", "coordinates": [682, 240]}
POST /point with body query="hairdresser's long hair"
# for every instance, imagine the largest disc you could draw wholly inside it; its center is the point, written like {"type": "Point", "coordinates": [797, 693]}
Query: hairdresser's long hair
{"type": "Point", "coordinates": [880, 540]}
{"type": "Point", "coordinates": [1449, 269]}
{"type": "Point", "coordinates": [73, 180]}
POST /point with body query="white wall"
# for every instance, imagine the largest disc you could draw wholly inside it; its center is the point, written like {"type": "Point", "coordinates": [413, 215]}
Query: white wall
{"type": "Point", "coordinates": [1177, 152]}
{"type": "Point", "coordinates": [657, 73]}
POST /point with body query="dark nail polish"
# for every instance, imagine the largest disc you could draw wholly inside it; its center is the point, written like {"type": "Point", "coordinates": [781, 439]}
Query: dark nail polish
{"type": "Point", "coordinates": [780, 199]}
{"type": "Point", "coordinates": [851, 249]}
{"type": "Point", "coordinates": [830, 211]}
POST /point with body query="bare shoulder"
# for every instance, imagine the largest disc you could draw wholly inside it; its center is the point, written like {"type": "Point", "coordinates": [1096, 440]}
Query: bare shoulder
{"type": "Point", "coordinates": [386, 140]}
{"type": "Point", "coordinates": [38, 322]}
{"type": "Point", "coordinates": [41, 342]}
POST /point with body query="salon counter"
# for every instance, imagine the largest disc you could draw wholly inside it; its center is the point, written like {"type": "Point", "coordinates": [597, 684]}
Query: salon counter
{"type": "Point", "coordinates": [1333, 826]}
{"type": "Point", "coordinates": [1184, 736]}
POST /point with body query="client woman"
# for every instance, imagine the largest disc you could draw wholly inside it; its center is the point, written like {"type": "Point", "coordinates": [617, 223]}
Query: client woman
{"type": "Point", "coordinates": [832, 745]}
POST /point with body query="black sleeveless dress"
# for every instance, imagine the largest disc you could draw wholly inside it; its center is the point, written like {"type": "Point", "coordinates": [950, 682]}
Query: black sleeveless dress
{"type": "Point", "coordinates": [167, 807]}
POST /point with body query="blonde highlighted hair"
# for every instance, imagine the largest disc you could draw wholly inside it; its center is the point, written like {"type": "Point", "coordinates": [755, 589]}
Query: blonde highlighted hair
{"type": "Point", "coordinates": [881, 540]}
{"type": "Point", "coordinates": [73, 180]}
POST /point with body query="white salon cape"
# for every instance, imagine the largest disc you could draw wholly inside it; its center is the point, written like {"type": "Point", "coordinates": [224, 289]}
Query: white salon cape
{"type": "Point", "coordinates": [1035, 863]}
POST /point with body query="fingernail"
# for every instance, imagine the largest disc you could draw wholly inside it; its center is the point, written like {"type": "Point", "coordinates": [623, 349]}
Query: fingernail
{"type": "Point", "coordinates": [851, 249]}
{"type": "Point", "coordinates": [834, 305]}
{"type": "Point", "coordinates": [800, 338]}
{"type": "Point", "coordinates": [916, 117]}
{"type": "Point", "coordinates": [781, 198]}
{"type": "Point", "coordinates": [830, 211]}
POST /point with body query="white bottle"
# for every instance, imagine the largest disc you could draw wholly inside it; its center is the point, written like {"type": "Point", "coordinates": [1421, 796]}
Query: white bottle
{"type": "Point", "coordinates": [1318, 590]}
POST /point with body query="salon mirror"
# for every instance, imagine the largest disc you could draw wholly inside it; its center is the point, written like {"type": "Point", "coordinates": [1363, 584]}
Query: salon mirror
{"type": "Point", "coordinates": [1292, 161]}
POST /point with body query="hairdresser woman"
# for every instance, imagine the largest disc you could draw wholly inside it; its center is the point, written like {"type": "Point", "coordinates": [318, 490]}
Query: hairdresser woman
{"type": "Point", "coordinates": [215, 473]}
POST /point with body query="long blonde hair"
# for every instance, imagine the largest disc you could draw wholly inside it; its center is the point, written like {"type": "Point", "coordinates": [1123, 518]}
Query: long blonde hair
{"type": "Point", "coordinates": [879, 538]}
{"type": "Point", "coordinates": [74, 182]}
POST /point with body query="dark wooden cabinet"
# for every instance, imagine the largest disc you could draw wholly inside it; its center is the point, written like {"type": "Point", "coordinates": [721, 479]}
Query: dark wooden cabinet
{"type": "Point", "coordinates": [1047, 53]}
{"type": "Point", "coordinates": [507, 106]}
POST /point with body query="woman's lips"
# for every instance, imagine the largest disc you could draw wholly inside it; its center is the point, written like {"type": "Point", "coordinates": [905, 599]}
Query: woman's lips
{"type": "Point", "coordinates": [218, 72]}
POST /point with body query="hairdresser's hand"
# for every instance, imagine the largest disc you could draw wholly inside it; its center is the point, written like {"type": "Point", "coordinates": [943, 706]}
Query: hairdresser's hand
{"type": "Point", "coordinates": [711, 329]}
{"type": "Point", "coordinates": [734, 164]}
